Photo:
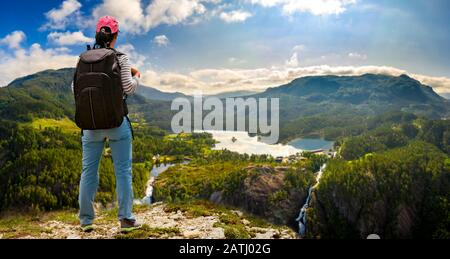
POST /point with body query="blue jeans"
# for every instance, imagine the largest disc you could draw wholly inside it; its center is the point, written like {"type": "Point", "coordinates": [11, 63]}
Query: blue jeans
{"type": "Point", "coordinates": [120, 141]}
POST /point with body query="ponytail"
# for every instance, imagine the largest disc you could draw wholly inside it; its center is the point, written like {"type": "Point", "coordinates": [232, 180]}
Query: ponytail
{"type": "Point", "coordinates": [104, 38]}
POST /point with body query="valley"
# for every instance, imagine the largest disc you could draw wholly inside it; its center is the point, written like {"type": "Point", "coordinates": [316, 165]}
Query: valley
{"type": "Point", "coordinates": [390, 176]}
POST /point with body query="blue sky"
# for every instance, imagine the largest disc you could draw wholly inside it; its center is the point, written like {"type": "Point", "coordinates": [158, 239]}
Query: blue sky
{"type": "Point", "coordinates": [219, 45]}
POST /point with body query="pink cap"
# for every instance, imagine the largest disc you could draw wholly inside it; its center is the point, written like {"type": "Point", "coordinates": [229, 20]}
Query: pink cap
{"type": "Point", "coordinates": [108, 21]}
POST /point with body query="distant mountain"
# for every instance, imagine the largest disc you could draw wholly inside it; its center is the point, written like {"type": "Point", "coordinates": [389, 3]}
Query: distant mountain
{"type": "Point", "coordinates": [155, 94]}
{"type": "Point", "coordinates": [64, 77]}
{"type": "Point", "coordinates": [336, 106]}
{"type": "Point", "coordinates": [234, 94]}
{"type": "Point", "coordinates": [359, 89]}
{"type": "Point", "coordinates": [44, 94]}
{"type": "Point", "coordinates": [58, 80]}
{"type": "Point", "coordinates": [368, 93]}
{"type": "Point", "coordinates": [329, 106]}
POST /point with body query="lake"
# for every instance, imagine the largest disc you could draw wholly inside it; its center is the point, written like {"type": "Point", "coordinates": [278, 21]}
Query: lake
{"type": "Point", "coordinates": [311, 144]}
{"type": "Point", "coordinates": [242, 143]}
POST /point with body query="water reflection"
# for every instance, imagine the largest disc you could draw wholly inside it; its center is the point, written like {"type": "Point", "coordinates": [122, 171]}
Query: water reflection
{"type": "Point", "coordinates": [242, 143]}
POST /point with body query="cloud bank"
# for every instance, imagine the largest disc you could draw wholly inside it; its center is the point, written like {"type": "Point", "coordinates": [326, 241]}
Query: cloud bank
{"type": "Point", "coordinates": [224, 80]}
{"type": "Point", "coordinates": [34, 59]}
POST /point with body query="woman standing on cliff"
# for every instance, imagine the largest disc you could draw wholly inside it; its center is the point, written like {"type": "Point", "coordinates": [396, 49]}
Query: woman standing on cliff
{"type": "Point", "coordinates": [103, 79]}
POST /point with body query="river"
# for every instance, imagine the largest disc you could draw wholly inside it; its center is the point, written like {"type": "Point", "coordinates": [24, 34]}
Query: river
{"type": "Point", "coordinates": [241, 142]}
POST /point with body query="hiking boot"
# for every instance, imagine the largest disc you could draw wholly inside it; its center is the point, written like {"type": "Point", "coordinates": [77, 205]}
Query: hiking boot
{"type": "Point", "coordinates": [128, 225]}
{"type": "Point", "coordinates": [87, 228]}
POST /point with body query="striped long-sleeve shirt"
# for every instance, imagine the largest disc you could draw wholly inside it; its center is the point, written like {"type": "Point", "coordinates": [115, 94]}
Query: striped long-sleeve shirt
{"type": "Point", "coordinates": [129, 82]}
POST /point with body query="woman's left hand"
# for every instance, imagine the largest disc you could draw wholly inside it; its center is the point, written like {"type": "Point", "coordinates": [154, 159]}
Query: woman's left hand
{"type": "Point", "coordinates": [135, 72]}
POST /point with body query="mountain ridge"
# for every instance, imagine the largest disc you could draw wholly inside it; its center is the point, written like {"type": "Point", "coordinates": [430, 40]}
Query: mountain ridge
{"type": "Point", "coordinates": [49, 92]}
{"type": "Point", "coordinates": [67, 75]}
{"type": "Point", "coordinates": [367, 94]}
{"type": "Point", "coordinates": [327, 84]}
{"type": "Point", "coordinates": [330, 83]}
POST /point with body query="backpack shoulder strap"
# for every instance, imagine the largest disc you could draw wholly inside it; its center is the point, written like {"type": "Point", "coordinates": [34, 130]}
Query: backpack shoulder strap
{"type": "Point", "coordinates": [118, 56]}
{"type": "Point", "coordinates": [118, 53]}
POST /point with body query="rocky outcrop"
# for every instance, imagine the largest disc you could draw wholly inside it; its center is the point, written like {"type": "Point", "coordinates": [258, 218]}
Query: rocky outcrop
{"type": "Point", "coordinates": [161, 221]}
{"type": "Point", "coordinates": [268, 192]}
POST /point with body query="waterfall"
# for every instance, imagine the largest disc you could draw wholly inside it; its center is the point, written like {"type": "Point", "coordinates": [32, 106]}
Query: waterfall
{"type": "Point", "coordinates": [156, 171]}
{"type": "Point", "coordinates": [148, 199]}
{"type": "Point", "coordinates": [302, 218]}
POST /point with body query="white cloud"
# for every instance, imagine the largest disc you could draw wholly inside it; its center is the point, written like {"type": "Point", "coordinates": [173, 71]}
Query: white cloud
{"type": "Point", "coordinates": [315, 7]}
{"type": "Point", "coordinates": [223, 80]}
{"type": "Point", "coordinates": [161, 40]}
{"type": "Point", "coordinates": [135, 19]}
{"type": "Point", "coordinates": [135, 16]}
{"type": "Point", "coordinates": [440, 84]}
{"type": "Point", "coordinates": [172, 11]}
{"type": "Point", "coordinates": [67, 8]}
{"type": "Point", "coordinates": [298, 48]}
{"type": "Point", "coordinates": [235, 16]}
{"type": "Point", "coordinates": [139, 16]}
{"type": "Point", "coordinates": [293, 61]}
{"type": "Point", "coordinates": [68, 38]}
{"type": "Point", "coordinates": [212, 1]}
{"type": "Point", "coordinates": [129, 13]}
{"type": "Point", "coordinates": [59, 18]}
{"type": "Point", "coordinates": [28, 61]}
{"type": "Point", "coordinates": [136, 59]}
{"type": "Point", "coordinates": [13, 40]}
{"type": "Point", "coordinates": [172, 82]}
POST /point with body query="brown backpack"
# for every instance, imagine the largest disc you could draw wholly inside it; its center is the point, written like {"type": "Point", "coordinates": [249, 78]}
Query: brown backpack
{"type": "Point", "coordinates": [99, 95]}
